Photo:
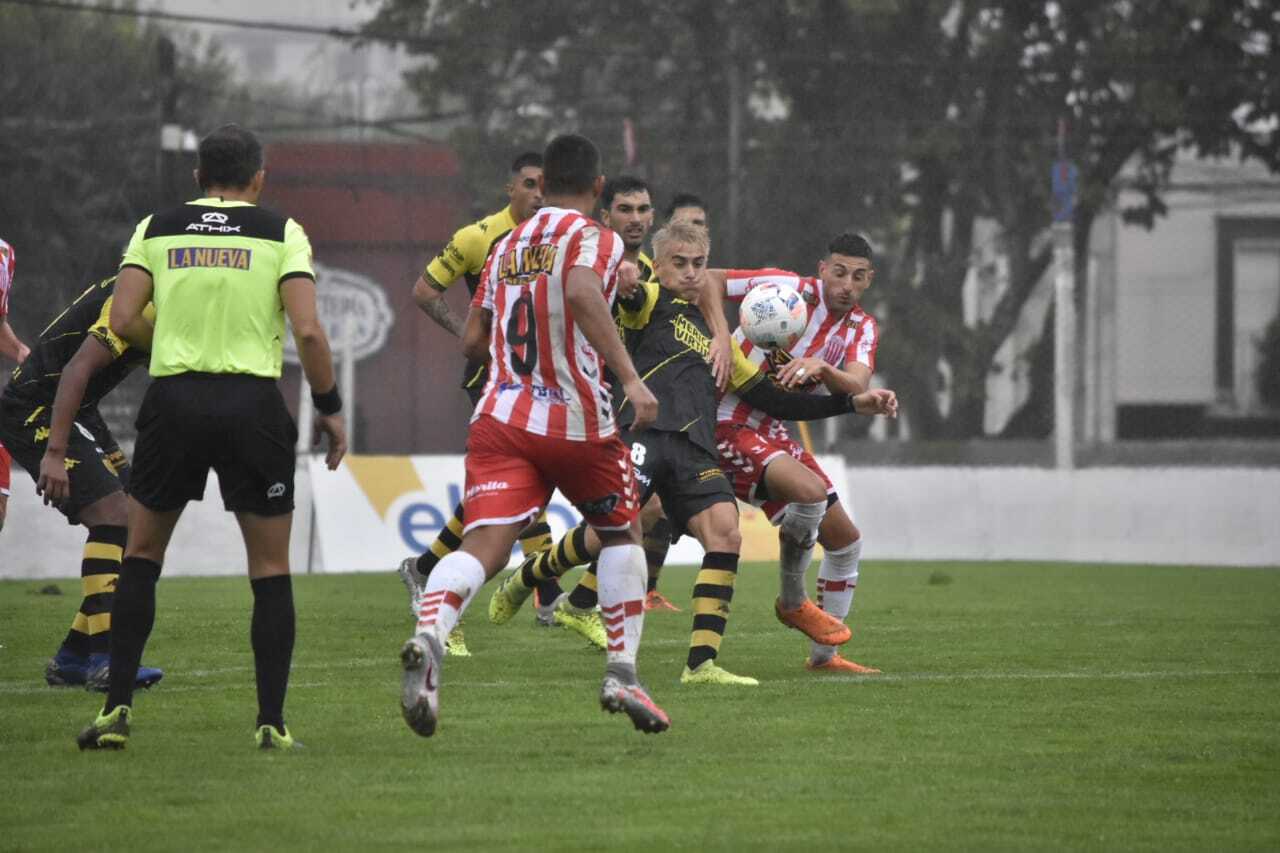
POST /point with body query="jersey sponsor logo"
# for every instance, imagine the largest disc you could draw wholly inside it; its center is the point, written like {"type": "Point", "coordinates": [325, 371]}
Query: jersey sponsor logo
{"type": "Point", "coordinates": [196, 256]}
{"type": "Point", "coordinates": [522, 263]}
{"type": "Point", "coordinates": [539, 392]}
{"type": "Point", "coordinates": [709, 474]}
{"type": "Point", "coordinates": [687, 333]}
{"type": "Point", "coordinates": [212, 228]}
{"type": "Point", "coordinates": [215, 218]}
{"type": "Point", "coordinates": [276, 490]}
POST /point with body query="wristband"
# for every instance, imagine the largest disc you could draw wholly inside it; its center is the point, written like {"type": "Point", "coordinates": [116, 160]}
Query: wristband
{"type": "Point", "coordinates": [328, 403]}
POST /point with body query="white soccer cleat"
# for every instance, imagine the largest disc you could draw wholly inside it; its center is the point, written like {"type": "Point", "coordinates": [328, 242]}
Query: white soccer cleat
{"type": "Point", "coordinates": [414, 583]}
{"type": "Point", "coordinates": [420, 659]}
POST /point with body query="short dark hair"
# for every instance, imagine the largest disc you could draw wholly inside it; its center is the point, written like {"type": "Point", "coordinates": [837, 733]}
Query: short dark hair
{"type": "Point", "coordinates": [851, 244]}
{"type": "Point", "coordinates": [528, 158]}
{"type": "Point", "coordinates": [571, 165]}
{"type": "Point", "coordinates": [621, 185]}
{"type": "Point", "coordinates": [228, 157]}
{"type": "Point", "coordinates": [684, 200]}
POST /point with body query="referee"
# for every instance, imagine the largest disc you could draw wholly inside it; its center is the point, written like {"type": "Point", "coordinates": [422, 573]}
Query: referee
{"type": "Point", "coordinates": [223, 273]}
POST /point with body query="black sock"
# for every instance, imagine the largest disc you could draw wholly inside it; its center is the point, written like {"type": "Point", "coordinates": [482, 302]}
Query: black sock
{"type": "Point", "coordinates": [133, 613]}
{"type": "Point", "coordinates": [657, 542]}
{"type": "Point", "coordinates": [448, 540]}
{"type": "Point", "coordinates": [272, 635]}
{"type": "Point", "coordinates": [586, 595]}
{"type": "Point", "coordinates": [548, 591]}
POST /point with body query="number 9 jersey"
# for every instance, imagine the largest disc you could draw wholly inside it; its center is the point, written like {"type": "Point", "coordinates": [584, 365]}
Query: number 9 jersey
{"type": "Point", "coordinates": [544, 376]}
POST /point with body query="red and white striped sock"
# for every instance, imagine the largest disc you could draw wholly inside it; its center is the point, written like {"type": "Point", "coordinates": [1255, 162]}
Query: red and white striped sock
{"type": "Point", "coordinates": [450, 587]}
{"type": "Point", "coordinates": [837, 579]}
{"type": "Point", "coordinates": [621, 579]}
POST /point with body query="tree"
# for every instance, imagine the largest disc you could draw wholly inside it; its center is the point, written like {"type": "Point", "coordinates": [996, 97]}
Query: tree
{"type": "Point", "coordinates": [910, 120]}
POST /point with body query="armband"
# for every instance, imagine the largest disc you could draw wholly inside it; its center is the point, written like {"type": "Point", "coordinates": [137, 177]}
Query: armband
{"type": "Point", "coordinates": [328, 403]}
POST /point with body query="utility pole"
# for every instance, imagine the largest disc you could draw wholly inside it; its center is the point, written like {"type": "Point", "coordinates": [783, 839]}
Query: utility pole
{"type": "Point", "coordinates": [1063, 180]}
{"type": "Point", "coordinates": [168, 134]}
{"type": "Point", "coordinates": [733, 70]}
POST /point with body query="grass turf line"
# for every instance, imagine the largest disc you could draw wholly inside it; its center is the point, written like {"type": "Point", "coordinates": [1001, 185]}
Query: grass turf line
{"type": "Point", "coordinates": [1023, 706]}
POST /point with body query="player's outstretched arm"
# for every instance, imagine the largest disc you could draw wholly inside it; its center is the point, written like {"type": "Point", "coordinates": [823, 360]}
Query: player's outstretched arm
{"type": "Point", "coordinates": [298, 294]}
{"type": "Point", "coordinates": [877, 401]}
{"type": "Point", "coordinates": [591, 314]}
{"type": "Point", "coordinates": [853, 379]}
{"type": "Point", "coordinates": [10, 345]}
{"type": "Point", "coordinates": [429, 296]}
{"type": "Point", "coordinates": [53, 484]}
{"type": "Point", "coordinates": [711, 304]}
{"type": "Point", "coordinates": [133, 291]}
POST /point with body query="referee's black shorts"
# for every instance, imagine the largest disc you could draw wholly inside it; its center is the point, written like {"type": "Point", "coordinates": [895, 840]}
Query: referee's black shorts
{"type": "Point", "coordinates": [685, 476]}
{"type": "Point", "coordinates": [236, 424]}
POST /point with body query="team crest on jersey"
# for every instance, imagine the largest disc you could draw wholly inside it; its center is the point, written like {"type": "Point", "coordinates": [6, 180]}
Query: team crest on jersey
{"type": "Point", "coordinates": [199, 256]}
{"type": "Point", "coordinates": [809, 297]}
{"type": "Point", "coordinates": [599, 506]}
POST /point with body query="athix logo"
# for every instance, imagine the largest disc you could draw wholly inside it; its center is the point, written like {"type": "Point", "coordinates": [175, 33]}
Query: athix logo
{"type": "Point", "coordinates": [491, 486]}
{"type": "Point", "coordinates": [276, 491]}
{"type": "Point", "coordinates": [214, 223]}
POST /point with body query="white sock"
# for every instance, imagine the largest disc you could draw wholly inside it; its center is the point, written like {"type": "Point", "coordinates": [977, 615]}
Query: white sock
{"type": "Point", "coordinates": [621, 578]}
{"type": "Point", "coordinates": [798, 533]}
{"type": "Point", "coordinates": [450, 587]}
{"type": "Point", "coordinates": [837, 578]}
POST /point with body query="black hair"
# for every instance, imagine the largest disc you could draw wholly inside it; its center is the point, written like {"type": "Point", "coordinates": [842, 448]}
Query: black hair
{"type": "Point", "coordinates": [527, 158]}
{"type": "Point", "coordinates": [228, 157]}
{"type": "Point", "coordinates": [851, 244]}
{"type": "Point", "coordinates": [571, 165]}
{"type": "Point", "coordinates": [621, 185]}
{"type": "Point", "coordinates": [684, 200]}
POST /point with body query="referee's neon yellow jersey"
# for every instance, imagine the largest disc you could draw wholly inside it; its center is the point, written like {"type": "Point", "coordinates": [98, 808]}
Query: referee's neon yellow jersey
{"type": "Point", "coordinates": [217, 266]}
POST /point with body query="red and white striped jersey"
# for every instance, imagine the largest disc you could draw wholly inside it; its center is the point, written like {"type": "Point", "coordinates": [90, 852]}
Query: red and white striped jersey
{"type": "Point", "coordinates": [544, 376]}
{"type": "Point", "coordinates": [836, 339]}
{"type": "Point", "coordinates": [6, 276]}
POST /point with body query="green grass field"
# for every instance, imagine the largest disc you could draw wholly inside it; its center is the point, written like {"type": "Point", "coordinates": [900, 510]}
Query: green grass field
{"type": "Point", "coordinates": [1023, 706]}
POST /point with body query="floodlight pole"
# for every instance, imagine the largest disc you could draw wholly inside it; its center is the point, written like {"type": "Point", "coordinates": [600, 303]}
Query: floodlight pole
{"type": "Point", "coordinates": [1063, 184]}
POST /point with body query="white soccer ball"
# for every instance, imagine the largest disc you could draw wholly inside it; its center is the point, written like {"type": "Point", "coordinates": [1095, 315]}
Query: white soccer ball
{"type": "Point", "coordinates": [773, 315]}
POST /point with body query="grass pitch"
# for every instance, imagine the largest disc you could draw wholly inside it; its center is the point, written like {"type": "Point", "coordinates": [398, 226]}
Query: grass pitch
{"type": "Point", "coordinates": [1023, 706]}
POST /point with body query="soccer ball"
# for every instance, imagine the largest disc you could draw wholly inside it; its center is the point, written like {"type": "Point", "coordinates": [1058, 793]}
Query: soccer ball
{"type": "Point", "coordinates": [773, 315]}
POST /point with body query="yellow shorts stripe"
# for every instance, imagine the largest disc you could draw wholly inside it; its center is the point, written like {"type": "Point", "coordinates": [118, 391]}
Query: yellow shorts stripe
{"type": "Point", "coordinates": [95, 584]}
{"type": "Point", "coordinates": [99, 624]}
{"type": "Point", "coordinates": [103, 551]}
{"type": "Point", "coordinates": [716, 577]}
{"type": "Point", "coordinates": [706, 638]}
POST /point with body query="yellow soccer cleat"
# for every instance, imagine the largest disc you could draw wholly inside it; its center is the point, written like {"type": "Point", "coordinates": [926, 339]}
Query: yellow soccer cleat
{"type": "Point", "coordinates": [585, 622]}
{"type": "Point", "coordinates": [507, 599]}
{"type": "Point", "coordinates": [456, 645]}
{"type": "Point", "coordinates": [708, 672]}
{"type": "Point", "coordinates": [108, 731]}
{"type": "Point", "coordinates": [269, 737]}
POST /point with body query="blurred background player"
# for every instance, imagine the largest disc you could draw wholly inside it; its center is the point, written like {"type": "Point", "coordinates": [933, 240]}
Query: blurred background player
{"type": "Point", "coordinates": [464, 257]}
{"type": "Point", "coordinates": [11, 348]}
{"type": "Point", "coordinates": [687, 207]}
{"type": "Point", "coordinates": [224, 273]}
{"type": "Point", "coordinates": [677, 457]}
{"type": "Point", "coordinates": [836, 354]}
{"type": "Point", "coordinates": [49, 419]}
{"type": "Point", "coordinates": [542, 312]}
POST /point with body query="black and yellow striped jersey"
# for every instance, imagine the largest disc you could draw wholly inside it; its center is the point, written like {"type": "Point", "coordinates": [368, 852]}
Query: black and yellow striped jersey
{"type": "Point", "coordinates": [35, 381]}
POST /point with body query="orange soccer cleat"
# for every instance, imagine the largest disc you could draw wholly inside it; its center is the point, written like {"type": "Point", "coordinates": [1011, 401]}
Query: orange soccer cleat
{"type": "Point", "coordinates": [654, 600]}
{"type": "Point", "coordinates": [811, 621]}
{"type": "Point", "coordinates": [839, 664]}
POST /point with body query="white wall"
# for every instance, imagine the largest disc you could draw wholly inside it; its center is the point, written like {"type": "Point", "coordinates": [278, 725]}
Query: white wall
{"type": "Point", "coordinates": [1209, 516]}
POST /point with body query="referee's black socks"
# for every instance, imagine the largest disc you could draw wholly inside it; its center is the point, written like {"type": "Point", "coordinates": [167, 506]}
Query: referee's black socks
{"type": "Point", "coordinates": [272, 635]}
{"type": "Point", "coordinates": [132, 615]}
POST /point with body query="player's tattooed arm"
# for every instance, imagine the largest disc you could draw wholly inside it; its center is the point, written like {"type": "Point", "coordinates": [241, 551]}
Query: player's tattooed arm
{"type": "Point", "coordinates": [475, 337]}
{"type": "Point", "coordinates": [429, 296]}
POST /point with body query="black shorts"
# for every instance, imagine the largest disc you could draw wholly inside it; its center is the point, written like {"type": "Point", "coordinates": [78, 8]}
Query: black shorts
{"type": "Point", "coordinates": [236, 424]}
{"type": "Point", "coordinates": [685, 476]}
{"type": "Point", "coordinates": [96, 466]}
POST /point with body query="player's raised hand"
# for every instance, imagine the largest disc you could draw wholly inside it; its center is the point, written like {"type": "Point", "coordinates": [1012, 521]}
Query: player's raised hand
{"type": "Point", "coordinates": [645, 404]}
{"type": "Point", "coordinates": [53, 484]}
{"type": "Point", "coordinates": [628, 279]}
{"type": "Point", "coordinates": [800, 372]}
{"type": "Point", "coordinates": [336, 431]}
{"type": "Point", "coordinates": [720, 356]}
{"type": "Point", "coordinates": [877, 401]}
